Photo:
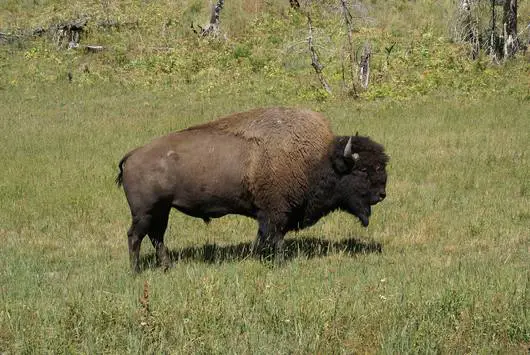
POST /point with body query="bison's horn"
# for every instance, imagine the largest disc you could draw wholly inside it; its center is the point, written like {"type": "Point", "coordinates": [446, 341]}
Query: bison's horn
{"type": "Point", "coordinates": [355, 156]}
{"type": "Point", "coordinates": [347, 149]}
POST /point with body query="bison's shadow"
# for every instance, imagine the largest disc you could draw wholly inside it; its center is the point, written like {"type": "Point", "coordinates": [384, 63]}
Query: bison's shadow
{"type": "Point", "coordinates": [308, 247]}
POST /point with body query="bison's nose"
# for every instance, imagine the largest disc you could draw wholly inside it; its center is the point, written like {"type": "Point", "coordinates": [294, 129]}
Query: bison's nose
{"type": "Point", "coordinates": [382, 196]}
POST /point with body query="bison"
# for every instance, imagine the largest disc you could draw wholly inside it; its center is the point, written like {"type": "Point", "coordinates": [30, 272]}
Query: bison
{"type": "Point", "coordinates": [280, 166]}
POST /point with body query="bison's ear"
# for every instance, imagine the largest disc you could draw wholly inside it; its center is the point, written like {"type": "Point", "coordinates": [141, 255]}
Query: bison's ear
{"type": "Point", "coordinates": [343, 158]}
{"type": "Point", "coordinates": [340, 165]}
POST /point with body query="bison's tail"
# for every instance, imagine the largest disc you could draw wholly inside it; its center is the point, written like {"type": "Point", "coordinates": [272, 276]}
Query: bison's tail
{"type": "Point", "coordinates": [119, 177]}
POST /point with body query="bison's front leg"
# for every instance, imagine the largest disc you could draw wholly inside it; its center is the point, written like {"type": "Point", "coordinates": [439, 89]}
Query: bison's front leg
{"type": "Point", "coordinates": [279, 252]}
{"type": "Point", "coordinates": [162, 255]}
{"type": "Point", "coordinates": [269, 239]}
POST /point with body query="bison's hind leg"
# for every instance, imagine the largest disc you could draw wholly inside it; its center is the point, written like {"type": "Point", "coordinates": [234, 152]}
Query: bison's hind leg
{"type": "Point", "coordinates": [154, 224]}
{"type": "Point", "coordinates": [156, 234]}
{"type": "Point", "coordinates": [137, 231]}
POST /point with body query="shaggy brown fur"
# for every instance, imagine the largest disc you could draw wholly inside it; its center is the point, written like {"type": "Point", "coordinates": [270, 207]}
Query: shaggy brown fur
{"type": "Point", "coordinates": [285, 145]}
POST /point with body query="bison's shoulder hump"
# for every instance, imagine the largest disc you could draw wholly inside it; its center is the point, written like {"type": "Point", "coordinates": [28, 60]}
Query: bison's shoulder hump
{"type": "Point", "coordinates": [272, 124]}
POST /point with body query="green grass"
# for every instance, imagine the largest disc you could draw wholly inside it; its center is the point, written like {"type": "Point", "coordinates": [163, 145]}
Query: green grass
{"type": "Point", "coordinates": [452, 275]}
{"type": "Point", "coordinates": [443, 267]}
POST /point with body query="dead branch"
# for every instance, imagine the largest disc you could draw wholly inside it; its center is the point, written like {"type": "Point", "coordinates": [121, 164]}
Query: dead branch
{"type": "Point", "coordinates": [212, 28]}
{"type": "Point", "coordinates": [314, 57]}
{"type": "Point", "coordinates": [469, 26]}
{"type": "Point", "coordinates": [511, 42]}
{"type": "Point", "coordinates": [68, 33]}
{"type": "Point", "coordinates": [349, 23]}
{"type": "Point", "coordinates": [93, 48]}
{"type": "Point", "coordinates": [493, 45]}
{"type": "Point", "coordinates": [364, 66]}
{"type": "Point", "coordinates": [294, 4]}
{"type": "Point", "coordinates": [9, 37]}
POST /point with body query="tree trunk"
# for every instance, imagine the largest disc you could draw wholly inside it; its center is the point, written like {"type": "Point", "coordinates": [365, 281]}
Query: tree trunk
{"type": "Point", "coordinates": [212, 28]}
{"type": "Point", "coordinates": [314, 57]}
{"type": "Point", "coordinates": [509, 21]}
{"type": "Point", "coordinates": [364, 67]}
{"type": "Point", "coordinates": [469, 27]}
{"type": "Point", "coordinates": [348, 18]}
{"type": "Point", "coordinates": [493, 46]}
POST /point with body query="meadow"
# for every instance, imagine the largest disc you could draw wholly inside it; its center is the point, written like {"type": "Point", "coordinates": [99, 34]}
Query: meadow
{"type": "Point", "coordinates": [444, 266]}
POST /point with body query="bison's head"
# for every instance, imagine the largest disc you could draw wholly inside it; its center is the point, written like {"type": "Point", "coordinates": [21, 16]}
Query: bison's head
{"type": "Point", "coordinates": [361, 164]}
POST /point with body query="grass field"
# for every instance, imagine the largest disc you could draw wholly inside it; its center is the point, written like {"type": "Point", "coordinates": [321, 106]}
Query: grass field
{"type": "Point", "coordinates": [444, 266]}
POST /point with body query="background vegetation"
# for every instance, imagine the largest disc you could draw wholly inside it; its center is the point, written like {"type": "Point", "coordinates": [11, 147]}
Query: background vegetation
{"type": "Point", "coordinates": [443, 267]}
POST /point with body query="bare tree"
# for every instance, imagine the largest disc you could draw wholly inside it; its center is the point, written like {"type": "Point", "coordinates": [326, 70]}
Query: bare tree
{"type": "Point", "coordinates": [509, 20]}
{"type": "Point", "coordinates": [364, 66]}
{"type": "Point", "coordinates": [467, 26]}
{"type": "Point", "coordinates": [314, 57]}
{"type": "Point", "coordinates": [500, 37]}
{"type": "Point", "coordinates": [212, 28]}
{"type": "Point", "coordinates": [493, 42]}
{"type": "Point", "coordinates": [348, 18]}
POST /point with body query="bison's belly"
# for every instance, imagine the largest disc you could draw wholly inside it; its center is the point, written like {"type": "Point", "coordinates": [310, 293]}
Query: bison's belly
{"type": "Point", "coordinates": [212, 188]}
{"type": "Point", "coordinates": [204, 205]}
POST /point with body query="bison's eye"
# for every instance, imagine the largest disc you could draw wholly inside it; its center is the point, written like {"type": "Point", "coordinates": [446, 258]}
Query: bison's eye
{"type": "Point", "coordinates": [361, 173]}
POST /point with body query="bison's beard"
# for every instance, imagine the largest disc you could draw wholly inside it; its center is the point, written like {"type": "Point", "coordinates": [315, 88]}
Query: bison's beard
{"type": "Point", "coordinates": [361, 210]}
{"type": "Point", "coordinates": [357, 199]}
{"type": "Point", "coordinates": [364, 216]}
